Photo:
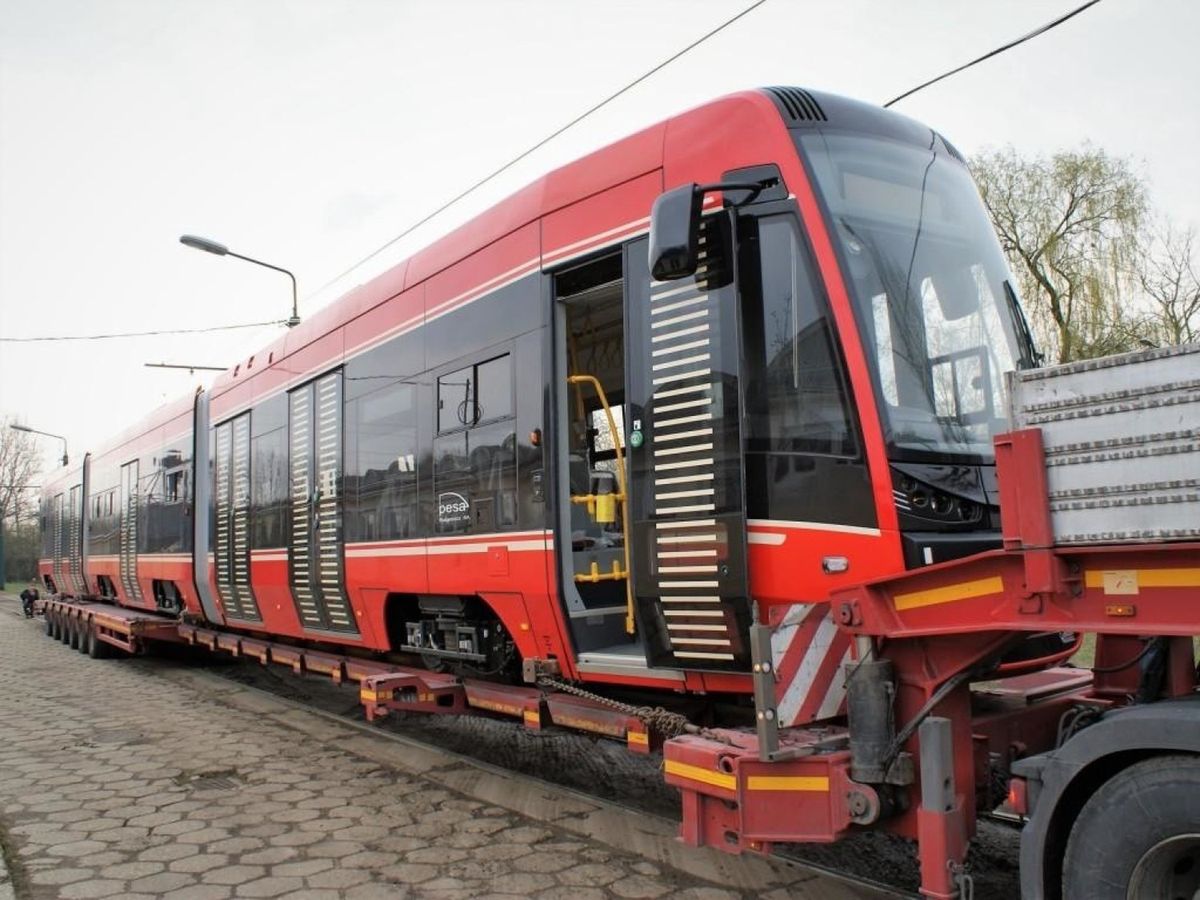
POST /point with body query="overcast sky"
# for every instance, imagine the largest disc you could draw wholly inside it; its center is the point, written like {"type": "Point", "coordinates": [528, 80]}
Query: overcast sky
{"type": "Point", "coordinates": [309, 132]}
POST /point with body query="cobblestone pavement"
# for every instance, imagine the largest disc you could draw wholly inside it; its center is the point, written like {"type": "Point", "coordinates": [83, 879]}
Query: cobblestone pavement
{"type": "Point", "coordinates": [125, 779]}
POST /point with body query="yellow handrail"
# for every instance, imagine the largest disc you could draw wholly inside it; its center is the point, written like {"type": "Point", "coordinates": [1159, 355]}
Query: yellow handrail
{"type": "Point", "coordinates": [595, 575]}
{"type": "Point", "coordinates": [622, 490]}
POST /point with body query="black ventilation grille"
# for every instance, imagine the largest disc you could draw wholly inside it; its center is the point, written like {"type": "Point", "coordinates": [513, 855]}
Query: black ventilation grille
{"type": "Point", "coordinates": [953, 151]}
{"type": "Point", "coordinates": [797, 105]}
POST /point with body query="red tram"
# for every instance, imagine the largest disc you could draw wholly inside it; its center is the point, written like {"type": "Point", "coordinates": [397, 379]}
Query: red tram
{"type": "Point", "coordinates": [409, 468]}
{"type": "Point", "coordinates": [634, 450]}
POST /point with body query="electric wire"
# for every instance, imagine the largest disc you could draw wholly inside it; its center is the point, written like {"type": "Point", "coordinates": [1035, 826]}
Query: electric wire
{"type": "Point", "coordinates": [910, 727]}
{"type": "Point", "coordinates": [547, 139]}
{"type": "Point", "coordinates": [1026, 37]}
{"type": "Point", "coordinates": [136, 334]}
{"type": "Point", "coordinates": [1121, 667]}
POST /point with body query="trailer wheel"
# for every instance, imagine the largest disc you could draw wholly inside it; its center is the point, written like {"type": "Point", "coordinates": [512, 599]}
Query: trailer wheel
{"type": "Point", "coordinates": [1138, 835]}
{"type": "Point", "coordinates": [96, 648]}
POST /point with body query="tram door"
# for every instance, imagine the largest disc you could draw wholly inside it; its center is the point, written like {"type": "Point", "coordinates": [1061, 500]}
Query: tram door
{"type": "Point", "coordinates": [74, 540]}
{"type": "Point", "coordinates": [315, 550]}
{"type": "Point", "coordinates": [128, 532]}
{"type": "Point", "coordinates": [56, 529]}
{"type": "Point", "coordinates": [231, 502]}
{"type": "Point", "coordinates": [687, 490]}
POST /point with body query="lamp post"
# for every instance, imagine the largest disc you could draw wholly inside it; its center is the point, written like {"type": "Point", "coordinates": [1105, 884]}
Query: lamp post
{"type": "Point", "coordinates": [199, 243]}
{"type": "Point", "coordinates": [15, 427]}
{"type": "Point", "coordinates": [190, 369]}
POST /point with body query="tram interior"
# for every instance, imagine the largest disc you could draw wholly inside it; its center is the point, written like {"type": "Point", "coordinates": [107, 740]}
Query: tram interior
{"type": "Point", "coordinates": [592, 326]}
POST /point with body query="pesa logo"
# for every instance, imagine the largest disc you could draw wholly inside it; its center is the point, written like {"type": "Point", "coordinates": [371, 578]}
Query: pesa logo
{"type": "Point", "coordinates": [453, 510]}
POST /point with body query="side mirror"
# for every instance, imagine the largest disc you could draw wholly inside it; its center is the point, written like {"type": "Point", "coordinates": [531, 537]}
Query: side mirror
{"type": "Point", "coordinates": [675, 225]}
{"type": "Point", "coordinates": [675, 233]}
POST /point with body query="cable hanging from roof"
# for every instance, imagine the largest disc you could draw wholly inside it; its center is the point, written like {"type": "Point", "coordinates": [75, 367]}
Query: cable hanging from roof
{"type": "Point", "coordinates": [135, 334]}
{"type": "Point", "coordinates": [1026, 37]}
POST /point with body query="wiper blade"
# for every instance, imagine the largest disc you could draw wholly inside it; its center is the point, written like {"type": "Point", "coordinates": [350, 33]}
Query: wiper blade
{"type": "Point", "coordinates": [1029, 353]}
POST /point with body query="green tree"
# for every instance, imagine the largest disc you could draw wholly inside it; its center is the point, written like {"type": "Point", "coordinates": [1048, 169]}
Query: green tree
{"type": "Point", "coordinates": [1168, 273]}
{"type": "Point", "coordinates": [19, 466]}
{"type": "Point", "coordinates": [1070, 224]}
{"type": "Point", "coordinates": [22, 547]}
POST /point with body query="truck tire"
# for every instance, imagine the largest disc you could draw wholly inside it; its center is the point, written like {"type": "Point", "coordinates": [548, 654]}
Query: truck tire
{"type": "Point", "coordinates": [1138, 835]}
{"type": "Point", "coordinates": [96, 648]}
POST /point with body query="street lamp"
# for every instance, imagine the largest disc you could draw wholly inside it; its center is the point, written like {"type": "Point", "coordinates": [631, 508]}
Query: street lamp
{"type": "Point", "coordinates": [15, 427]}
{"type": "Point", "coordinates": [199, 243]}
{"type": "Point", "coordinates": [191, 369]}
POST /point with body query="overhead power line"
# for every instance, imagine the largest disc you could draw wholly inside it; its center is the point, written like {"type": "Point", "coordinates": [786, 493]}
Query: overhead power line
{"type": "Point", "coordinates": [543, 142]}
{"type": "Point", "coordinates": [134, 334]}
{"type": "Point", "coordinates": [1030, 36]}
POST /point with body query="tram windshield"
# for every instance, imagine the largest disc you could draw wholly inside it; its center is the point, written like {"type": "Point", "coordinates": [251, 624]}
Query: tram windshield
{"type": "Point", "coordinates": [935, 305]}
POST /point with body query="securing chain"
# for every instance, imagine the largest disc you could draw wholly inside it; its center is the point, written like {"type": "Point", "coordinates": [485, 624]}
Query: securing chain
{"type": "Point", "coordinates": [962, 880]}
{"type": "Point", "coordinates": [668, 724]}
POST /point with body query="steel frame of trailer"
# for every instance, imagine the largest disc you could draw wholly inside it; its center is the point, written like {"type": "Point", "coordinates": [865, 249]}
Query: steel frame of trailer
{"type": "Point", "coordinates": [383, 687]}
{"type": "Point", "coordinates": [386, 687]}
{"type": "Point", "coordinates": [126, 629]}
{"type": "Point", "coordinates": [746, 790]}
{"type": "Point", "coordinates": [935, 625]}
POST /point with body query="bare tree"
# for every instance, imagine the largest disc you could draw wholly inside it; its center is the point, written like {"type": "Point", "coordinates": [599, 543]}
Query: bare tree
{"type": "Point", "coordinates": [1169, 276]}
{"type": "Point", "coordinates": [1069, 224]}
{"type": "Point", "coordinates": [20, 463]}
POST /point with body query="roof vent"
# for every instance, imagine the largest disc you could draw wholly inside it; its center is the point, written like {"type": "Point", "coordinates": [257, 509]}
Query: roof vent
{"type": "Point", "coordinates": [953, 151]}
{"type": "Point", "coordinates": [797, 105]}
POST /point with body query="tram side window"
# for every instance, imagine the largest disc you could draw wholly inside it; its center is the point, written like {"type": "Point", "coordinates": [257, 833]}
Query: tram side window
{"type": "Point", "coordinates": [797, 395]}
{"type": "Point", "coordinates": [475, 450]}
{"type": "Point", "coordinates": [148, 491]}
{"type": "Point", "coordinates": [381, 478]}
{"type": "Point", "coordinates": [167, 525]}
{"type": "Point", "coordinates": [268, 488]}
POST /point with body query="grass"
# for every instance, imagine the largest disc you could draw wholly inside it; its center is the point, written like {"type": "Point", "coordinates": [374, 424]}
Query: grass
{"type": "Point", "coordinates": [1085, 657]}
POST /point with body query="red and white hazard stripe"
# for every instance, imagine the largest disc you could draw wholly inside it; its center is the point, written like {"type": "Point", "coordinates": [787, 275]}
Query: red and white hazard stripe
{"type": "Point", "coordinates": [809, 655]}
